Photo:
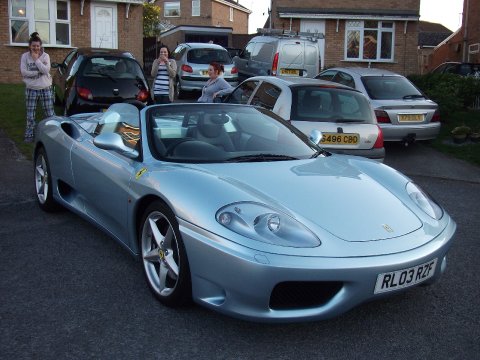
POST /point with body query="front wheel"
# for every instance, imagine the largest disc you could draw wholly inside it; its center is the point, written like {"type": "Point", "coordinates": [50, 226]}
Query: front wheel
{"type": "Point", "coordinates": [164, 258]}
{"type": "Point", "coordinates": [43, 182]}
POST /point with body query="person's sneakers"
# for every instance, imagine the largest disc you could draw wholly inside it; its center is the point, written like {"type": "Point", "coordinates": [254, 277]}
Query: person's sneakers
{"type": "Point", "coordinates": [28, 139]}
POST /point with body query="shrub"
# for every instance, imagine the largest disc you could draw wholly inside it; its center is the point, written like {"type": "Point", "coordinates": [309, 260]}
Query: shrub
{"type": "Point", "coordinates": [451, 92]}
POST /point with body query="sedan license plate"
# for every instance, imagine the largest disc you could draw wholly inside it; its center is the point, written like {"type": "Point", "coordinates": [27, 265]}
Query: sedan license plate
{"type": "Point", "coordinates": [411, 117]}
{"type": "Point", "coordinates": [404, 278]}
{"type": "Point", "coordinates": [204, 72]}
{"type": "Point", "coordinates": [290, 72]}
{"type": "Point", "coordinates": [340, 139]}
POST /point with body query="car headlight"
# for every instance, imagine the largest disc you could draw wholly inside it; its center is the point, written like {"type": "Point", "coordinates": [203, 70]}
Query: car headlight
{"type": "Point", "coordinates": [261, 223]}
{"type": "Point", "coordinates": [424, 201]}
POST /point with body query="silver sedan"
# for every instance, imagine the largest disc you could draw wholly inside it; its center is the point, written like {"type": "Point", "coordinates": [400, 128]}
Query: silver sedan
{"type": "Point", "coordinates": [403, 112]}
{"type": "Point", "coordinates": [234, 208]}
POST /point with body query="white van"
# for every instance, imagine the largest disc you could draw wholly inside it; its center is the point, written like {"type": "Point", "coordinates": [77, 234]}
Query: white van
{"type": "Point", "coordinates": [280, 53]}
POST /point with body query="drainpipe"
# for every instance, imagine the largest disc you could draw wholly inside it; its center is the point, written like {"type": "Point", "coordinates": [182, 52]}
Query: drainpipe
{"type": "Point", "coordinates": [465, 32]}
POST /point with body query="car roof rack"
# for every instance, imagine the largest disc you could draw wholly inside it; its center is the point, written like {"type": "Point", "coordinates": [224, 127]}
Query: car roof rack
{"type": "Point", "coordinates": [314, 36]}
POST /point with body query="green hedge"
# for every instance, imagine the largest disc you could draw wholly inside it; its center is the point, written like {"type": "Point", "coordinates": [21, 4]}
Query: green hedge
{"type": "Point", "coordinates": [451, 92]}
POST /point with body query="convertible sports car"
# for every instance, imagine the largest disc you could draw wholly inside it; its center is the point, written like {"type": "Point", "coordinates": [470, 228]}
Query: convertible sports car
{"type": "Point", "coordinates": [235, 208]}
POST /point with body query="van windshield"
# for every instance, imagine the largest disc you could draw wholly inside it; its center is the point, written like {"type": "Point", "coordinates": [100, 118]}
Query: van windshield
{"type": "Point", "coordinates": [207, 56]}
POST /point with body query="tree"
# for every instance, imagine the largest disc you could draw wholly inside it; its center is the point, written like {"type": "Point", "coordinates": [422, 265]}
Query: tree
{"type": "Point", "coordinates": [151, 19]}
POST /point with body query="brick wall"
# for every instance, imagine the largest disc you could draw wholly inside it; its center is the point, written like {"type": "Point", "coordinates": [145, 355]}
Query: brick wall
{"type": "Point", "coordinates": [221, 17]}
{"type": "Point", "coordinates": [405, 51]}
{"type": "Point", "coordinates": [130, 37]}
{"type": "Point", "coordinates": [347, 4]}
{"type": "Point", "coordinates": [211, 14]}
{"type": "Point", "coordinates": [454, 49]}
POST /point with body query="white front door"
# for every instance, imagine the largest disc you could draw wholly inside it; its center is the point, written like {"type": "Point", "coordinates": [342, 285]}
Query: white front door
{"type": "Point", "coordinates": [315, 26]}
{"type": "Point", "coordinates": [104, 25]}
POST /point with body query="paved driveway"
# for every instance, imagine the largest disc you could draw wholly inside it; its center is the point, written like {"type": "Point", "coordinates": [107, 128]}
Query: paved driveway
{"type": "Point", "coordinates": [67, 291]}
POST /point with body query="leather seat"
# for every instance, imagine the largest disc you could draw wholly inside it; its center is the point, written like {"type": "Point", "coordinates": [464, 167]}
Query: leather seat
{"type": "Point", "coordinates": [210, 129]}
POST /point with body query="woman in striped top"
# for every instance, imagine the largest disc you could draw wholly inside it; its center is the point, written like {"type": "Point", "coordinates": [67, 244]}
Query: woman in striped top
{"type": "Point", "coordinates": [164, 71]}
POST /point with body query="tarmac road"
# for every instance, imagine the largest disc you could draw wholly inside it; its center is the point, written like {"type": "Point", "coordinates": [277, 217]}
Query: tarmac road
{"type": "Point", "coordinates": [67, 291]}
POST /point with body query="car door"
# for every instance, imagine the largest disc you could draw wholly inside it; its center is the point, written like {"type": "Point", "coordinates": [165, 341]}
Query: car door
{"type": "Point", "coordinates": [242, 62]}
{"type": "Point", "coordinates": [344, 79]}
{"type": "Point", "coordinates": [61, 76]}
{"type": "Point", "coordinates": [102, 180]}
{"type": "Point", "coordinates": [266, 96]}
{"type": "Point", "coordinates": [242, 93]}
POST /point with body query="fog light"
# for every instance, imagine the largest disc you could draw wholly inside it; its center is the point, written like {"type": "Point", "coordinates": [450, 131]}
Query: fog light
{"type": "Point", "coordinates": [225, 218]}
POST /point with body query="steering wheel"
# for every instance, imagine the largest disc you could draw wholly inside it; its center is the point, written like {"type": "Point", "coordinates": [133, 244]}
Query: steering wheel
{"type": "Point", "coordinates": [171, 148]}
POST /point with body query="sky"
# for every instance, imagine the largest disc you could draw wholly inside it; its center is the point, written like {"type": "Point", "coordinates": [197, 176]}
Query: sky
{"type": "Point", "coordinates": [445, 12]}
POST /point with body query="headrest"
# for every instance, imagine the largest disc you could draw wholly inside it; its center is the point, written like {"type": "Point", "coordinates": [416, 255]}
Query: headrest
{"type": "Point", "coordinates": [219, 119]}
{"type": "Point", "coordinates": [120, 67]}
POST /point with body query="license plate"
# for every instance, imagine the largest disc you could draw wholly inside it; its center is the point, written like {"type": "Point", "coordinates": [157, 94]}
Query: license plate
{"type": "Point", "coordinates": [204, 72]}
{"type": "Point", "coordinates": [404, 278]}
{"type": "Point", "coordinates": [411, 117]}
{"type": "Point", "coordinates": [340, 139]}
{"type": "Point", "coordinates": [290, 72]}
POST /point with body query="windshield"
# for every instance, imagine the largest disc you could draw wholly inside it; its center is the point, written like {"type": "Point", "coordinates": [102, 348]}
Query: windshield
{"type": "Point", "coordinates": [390, 88]}
{"type": "Point", "coordinates": [328, 104]}
{"type": "Point", "coordinates": [207, 56]}
{"type": "Point", "coordinates": [223, 133]}
{"type": "Point", "coordinates": [112, 67]}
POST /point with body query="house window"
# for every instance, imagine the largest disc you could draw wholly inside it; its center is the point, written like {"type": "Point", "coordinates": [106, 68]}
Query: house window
{"type": "Point", "coordinates": [231, 14]}
{"type": "Point", "coordinates": [172, 9]}
{"type": "Point", "coordinates": [50, 18]}
{"type": "Point", "coordinates": [195, 7]}
{"type": "Point", "coordinates": [369, 40]}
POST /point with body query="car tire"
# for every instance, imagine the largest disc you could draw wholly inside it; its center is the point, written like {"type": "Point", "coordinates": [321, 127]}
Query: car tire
{"type": "Point", "coordinates": [164, 257]}
{"type": "Point", "coordinates": [179, 93]}
{"type": "Point", "coordinates": [43, 182]}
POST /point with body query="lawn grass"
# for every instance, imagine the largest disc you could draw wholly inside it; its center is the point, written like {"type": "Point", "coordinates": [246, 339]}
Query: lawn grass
{"type": "Point", "coordinates": [13, 115]}
{"type": "Point", "coordinates": [12, 121]}
{"type": "Point", "coordinates": [467, 151]}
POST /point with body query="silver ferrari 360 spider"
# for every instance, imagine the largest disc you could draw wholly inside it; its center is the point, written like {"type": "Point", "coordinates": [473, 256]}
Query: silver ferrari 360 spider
{"type": "Point", "coordinates": [232, 207]}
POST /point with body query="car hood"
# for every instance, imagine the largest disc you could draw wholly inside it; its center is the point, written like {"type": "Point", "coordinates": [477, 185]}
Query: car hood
{"type": "Point", "coordinates": [346, 196]}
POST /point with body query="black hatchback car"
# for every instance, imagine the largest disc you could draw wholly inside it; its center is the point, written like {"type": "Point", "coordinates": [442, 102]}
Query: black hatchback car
{"type": "Point", "coordinates": [463, 69]}
{"type": "Point", "coordinates": [90, 80]}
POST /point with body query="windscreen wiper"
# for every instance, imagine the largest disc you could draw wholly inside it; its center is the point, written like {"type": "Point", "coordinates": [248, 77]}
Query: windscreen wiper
{"type": "Point", "coordinates": [260, 157]}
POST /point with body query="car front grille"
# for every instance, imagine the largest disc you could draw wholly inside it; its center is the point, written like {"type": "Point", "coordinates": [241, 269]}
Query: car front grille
{"type": "Point", "coordinates": [298, 295]}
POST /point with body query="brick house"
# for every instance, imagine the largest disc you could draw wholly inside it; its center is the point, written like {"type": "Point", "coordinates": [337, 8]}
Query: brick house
{"type": "Point", "coordinates": [464, 44]}
{"type": "Point", "coordinates": [375, 33]}
{"type": "Point", "coordinates": [202, 21]}
{"type": "Point", "coordinates": [67, 24]}
{"type": "Point", "coordinates": [429, 36]}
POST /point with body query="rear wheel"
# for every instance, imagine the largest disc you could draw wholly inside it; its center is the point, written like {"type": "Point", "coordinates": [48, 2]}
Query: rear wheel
{"type": "Point", "coordinates": [164, 258]}
{"type": "Point", "coordinates": [43, 182]}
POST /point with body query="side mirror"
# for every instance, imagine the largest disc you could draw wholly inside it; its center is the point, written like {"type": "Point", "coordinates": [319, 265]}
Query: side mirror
{"type": "Point", "coordinates": [113, 141]}
{"type": "Point", "coordinates": [315, 136]}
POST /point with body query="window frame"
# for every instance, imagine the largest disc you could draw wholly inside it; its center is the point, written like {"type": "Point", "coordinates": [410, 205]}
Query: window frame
{"type": "Point", "coordinates": [231, 14]}
{"type": "Point", "coordinates": [196, 8]}
{"type": "Point", "coordinates": [383, 30]}
{"type": "Point", "coordinates": [31, 21]}
{"type": "Point", "coordinates": [171, 4]}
